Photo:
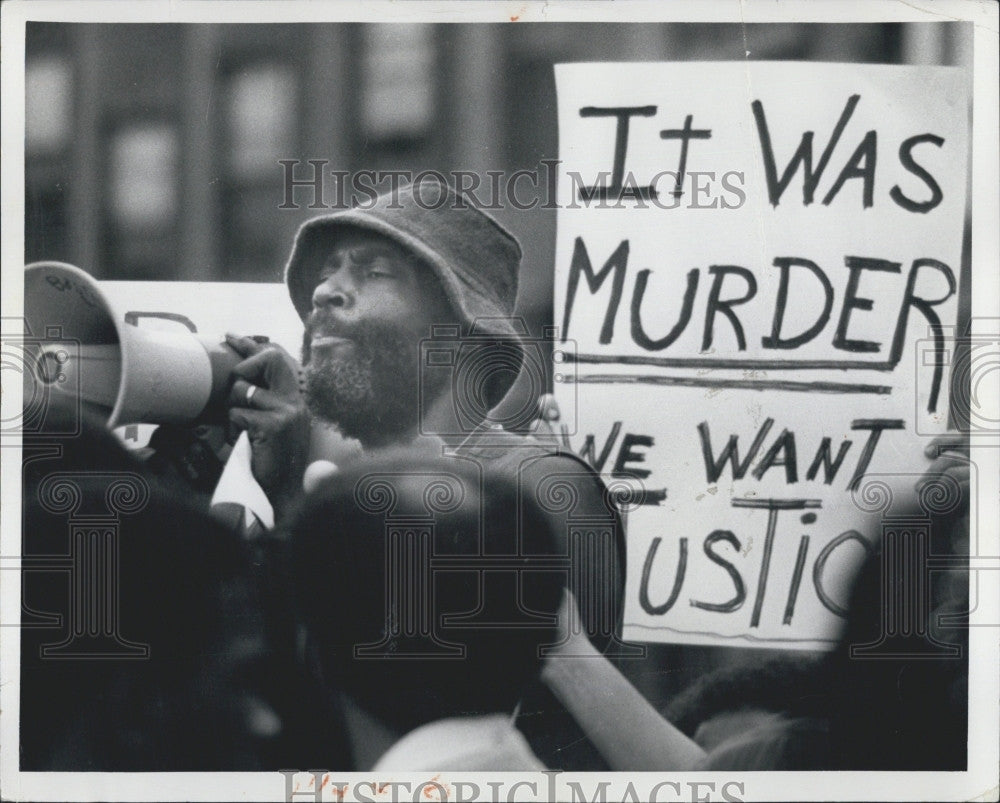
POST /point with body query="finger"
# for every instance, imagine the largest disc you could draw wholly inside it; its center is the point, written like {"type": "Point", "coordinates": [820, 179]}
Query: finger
{"type": "Point", "coordinates": [548, 407]}
{"type": "Point", "coordinates": [962, 474]}
{"type": "Point", "coordinates": [273, 368]}
{"type": "Point", "coordinates": [244, 346]}
{"type": "Point", "coordinates": [951, 441]}
{"type": "Point", "coordinates": [946, 464]}
{"type": "Point", "coordinates": [946, 461]}
{"type": "Point", "coordinates": [252, 421]}
{"type": "Point", "coordinates": [958, 476]}
{"type": "Point", "coordinates": [949, 460]}
{"type": "Point", "coordinates": [543, 432]}
{"type": "Point", "coordinates": [959, 472]}
{"type": "Point", "coordinates": [317, 473]}
{"type": "Point", "coordinates": [260, 399]}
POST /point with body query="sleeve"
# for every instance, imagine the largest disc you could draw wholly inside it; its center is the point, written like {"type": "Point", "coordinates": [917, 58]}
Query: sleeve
{"type": "Point", "coordinates": [588, 528]}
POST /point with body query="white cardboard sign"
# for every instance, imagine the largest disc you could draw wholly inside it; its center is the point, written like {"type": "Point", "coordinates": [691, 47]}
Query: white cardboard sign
{"type": "Point", "coordinates": [760, 285]}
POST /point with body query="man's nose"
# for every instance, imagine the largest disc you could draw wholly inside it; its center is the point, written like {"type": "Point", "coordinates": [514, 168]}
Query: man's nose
{"type": "Point", "coordinates": [332, 292]}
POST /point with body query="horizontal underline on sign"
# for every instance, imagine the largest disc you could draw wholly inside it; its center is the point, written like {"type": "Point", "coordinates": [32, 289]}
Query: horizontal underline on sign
{"type": "Point", "coordinates": [742, 384]}
{"type": "Point", "coordinates": [778, 504]}
{"type": "Point", "coordinates": [713, 362]}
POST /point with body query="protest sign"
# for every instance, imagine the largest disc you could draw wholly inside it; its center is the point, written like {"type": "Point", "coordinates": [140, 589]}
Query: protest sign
{"type": "Point", "coordinates": [214, 308]}
{"type": "Point", "coordinates": [757, 269]}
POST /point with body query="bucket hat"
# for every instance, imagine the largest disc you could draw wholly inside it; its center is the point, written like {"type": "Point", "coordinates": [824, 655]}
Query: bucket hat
{"type": "Point", "coordinates": [475, 258]}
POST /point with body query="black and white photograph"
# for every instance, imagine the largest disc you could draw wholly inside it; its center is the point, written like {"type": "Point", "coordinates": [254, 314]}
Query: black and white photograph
{"type": "Point", "coordinates": [493, 401]}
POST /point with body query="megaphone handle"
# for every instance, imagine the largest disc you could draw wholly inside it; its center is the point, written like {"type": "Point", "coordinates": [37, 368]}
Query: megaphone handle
{"type": "Point", "coordinates": [133, 317]}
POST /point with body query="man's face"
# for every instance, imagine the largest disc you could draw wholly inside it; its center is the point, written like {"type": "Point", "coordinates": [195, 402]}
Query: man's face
{"type": "Point", "coordinates": [372, 305]}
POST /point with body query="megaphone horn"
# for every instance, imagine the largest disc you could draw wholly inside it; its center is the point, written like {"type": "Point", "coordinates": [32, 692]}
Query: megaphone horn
{"type": "Point", "coordinates": [127, 373]}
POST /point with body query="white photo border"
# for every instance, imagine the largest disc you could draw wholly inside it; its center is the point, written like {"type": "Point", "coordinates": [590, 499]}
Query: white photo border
{"type": "Point", "coordinates": [981, 778]}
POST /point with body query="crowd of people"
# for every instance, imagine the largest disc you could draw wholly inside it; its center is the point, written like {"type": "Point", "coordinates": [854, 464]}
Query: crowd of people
{"type": "Point", "coordinates": [317, 634]}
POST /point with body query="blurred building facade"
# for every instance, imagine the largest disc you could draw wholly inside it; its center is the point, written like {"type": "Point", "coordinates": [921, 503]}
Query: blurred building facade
{"type": "Point", "coordinates": [153, 151]}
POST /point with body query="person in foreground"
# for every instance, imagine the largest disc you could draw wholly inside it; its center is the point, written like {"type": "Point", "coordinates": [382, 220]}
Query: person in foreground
{"type": "Point", "coordinates": [426, 658]}
{"type": "Point", "coordinates": [370, 285]}
{"type": "Point", "coordinates": [146, 654]}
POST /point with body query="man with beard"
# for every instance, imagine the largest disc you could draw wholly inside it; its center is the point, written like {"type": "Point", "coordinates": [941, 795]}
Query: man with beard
{"type": "Point", "coordinates": [370, 283]}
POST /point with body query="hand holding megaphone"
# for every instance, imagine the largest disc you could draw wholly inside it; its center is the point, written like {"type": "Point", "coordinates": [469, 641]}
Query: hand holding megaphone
{"type": "Point", "coordinates": [93, 357]}
{"type": "Point", "coordinates": [266, 402]}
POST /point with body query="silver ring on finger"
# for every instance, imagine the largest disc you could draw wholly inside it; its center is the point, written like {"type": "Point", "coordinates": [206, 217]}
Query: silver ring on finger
{"type": "Point", "coordinates": [250, 394]}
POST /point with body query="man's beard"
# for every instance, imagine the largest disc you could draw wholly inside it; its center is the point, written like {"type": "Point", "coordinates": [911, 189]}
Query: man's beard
{"type": "Point", "coordinates": [368, 389]}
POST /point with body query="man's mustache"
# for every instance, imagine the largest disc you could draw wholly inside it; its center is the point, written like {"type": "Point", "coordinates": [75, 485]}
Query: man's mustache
{"type": "Point", "coordinates": [327, 326]}
{"type": "Point", "coordinates": [369, 337]}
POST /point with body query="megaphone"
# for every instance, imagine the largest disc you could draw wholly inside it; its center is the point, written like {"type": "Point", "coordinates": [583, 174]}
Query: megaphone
{"type": "Point", "coordinates": [126, 373]}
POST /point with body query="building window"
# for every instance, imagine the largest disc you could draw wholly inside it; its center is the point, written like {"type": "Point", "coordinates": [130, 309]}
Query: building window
{"type": "Point", "coordinates": [398, 100]}
{"type": "Point", "coordinates": [48, 104]}
{"type": "Point", "coordinates": [261, 108]}
{"type": "Point", "coordinates": [48, 123]}
{"type": "Point", "coordinates": [261, 103]}
{"type": "Point", "coordinates": [143, 176]}
{"type": "Point", "coordinates": [142, 200]}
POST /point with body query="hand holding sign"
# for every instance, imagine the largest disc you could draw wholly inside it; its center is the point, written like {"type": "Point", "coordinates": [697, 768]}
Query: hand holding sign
{"type": "Point", "coordinates": [749, 288]}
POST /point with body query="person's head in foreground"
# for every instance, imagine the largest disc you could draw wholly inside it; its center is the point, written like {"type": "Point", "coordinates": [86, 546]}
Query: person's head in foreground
{"type": "Point", "coordinates": [371, 282]}
{"type": "Point", "coordinates": [405, 624]}
{"type": "Point", "coordinates": [163, 677]}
